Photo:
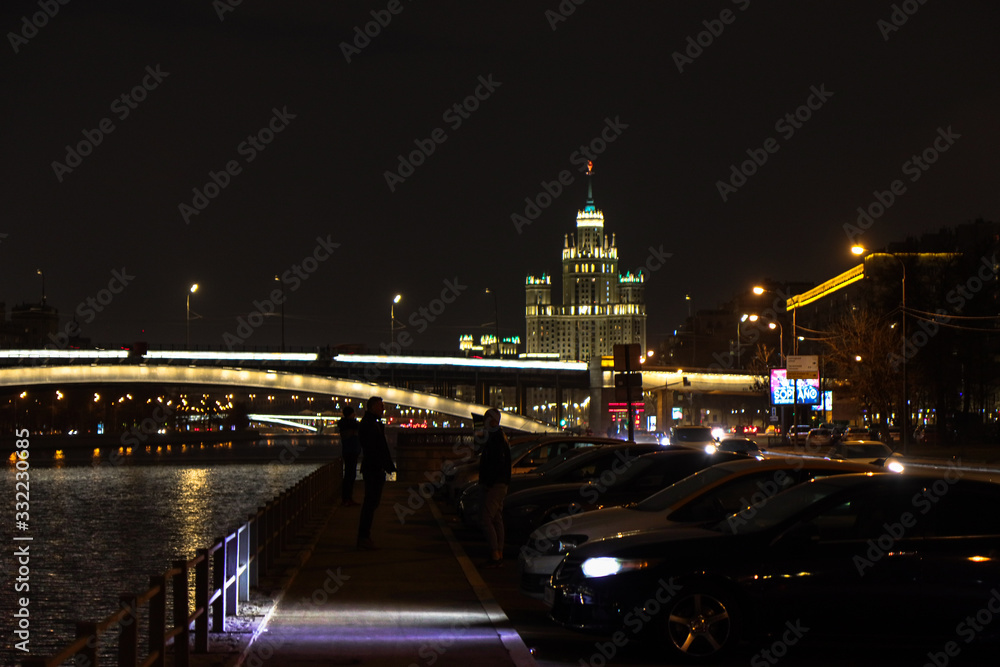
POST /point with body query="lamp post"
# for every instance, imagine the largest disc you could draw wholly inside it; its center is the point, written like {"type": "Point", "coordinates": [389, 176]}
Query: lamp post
{"type": "Point", "coordinates": [392, 316]}
{"type": "Point", "coordinates": [191, 290]}
{"type": "Point", "coordinates": [39, 272]}
{"type": "Point", "coordinates": [905, 407]}
{"type": "Point", "coordinates": [781, 340]}
{"type": "Point", "coordinates": [744, 318]}
{"type": "Point", "coordinates": [759, 290]}
{"type": "Point", "coordinates": [282, 317]}
{"type": "Point", "coordinates": [496, 317]}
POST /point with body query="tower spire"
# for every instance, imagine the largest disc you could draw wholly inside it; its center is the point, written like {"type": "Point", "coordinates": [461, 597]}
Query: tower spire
{"type": "Point", "coordinates": [590, 187]}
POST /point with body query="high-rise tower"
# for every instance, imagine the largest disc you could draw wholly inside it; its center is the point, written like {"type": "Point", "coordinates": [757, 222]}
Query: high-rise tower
{"type": "Point", "coordinates": [600, 307]}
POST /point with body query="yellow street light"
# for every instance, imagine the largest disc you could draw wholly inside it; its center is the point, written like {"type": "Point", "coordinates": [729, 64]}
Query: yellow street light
{"type": "Point", "coordinates": [392, 316]}
{"type": "Point", "coordinates": [191, 290]}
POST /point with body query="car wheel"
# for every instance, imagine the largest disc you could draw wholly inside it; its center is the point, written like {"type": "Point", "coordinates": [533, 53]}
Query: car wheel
{"type": "Point", "coordinates": [702, 623]}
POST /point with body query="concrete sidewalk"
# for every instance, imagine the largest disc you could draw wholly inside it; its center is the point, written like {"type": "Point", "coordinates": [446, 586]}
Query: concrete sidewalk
{"type": "Point", "coordinates": [417, 600]}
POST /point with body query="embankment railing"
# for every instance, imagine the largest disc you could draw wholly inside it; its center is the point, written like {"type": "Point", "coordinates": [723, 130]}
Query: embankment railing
{"type": "Point", "coordinates": [223, 576]}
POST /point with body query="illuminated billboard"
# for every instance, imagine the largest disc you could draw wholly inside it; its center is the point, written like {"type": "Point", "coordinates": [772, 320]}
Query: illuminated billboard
{"type": "Point", "coordinates": [784, 393]}
{"type": "Point", "coordinates": [827, 405]}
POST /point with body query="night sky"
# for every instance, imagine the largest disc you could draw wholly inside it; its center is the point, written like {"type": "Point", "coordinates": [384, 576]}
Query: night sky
{"type": "Point", "coordinates": [212, 76]}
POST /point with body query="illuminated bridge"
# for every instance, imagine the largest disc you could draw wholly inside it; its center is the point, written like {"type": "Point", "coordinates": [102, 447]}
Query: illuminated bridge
{"type": "Point", "coordinates": [537, 395]}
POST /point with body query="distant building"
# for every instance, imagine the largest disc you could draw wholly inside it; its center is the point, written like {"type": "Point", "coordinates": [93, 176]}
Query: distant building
{"type": "Point", "coordinates": [30, 325]}
{"type": "Point", "coordinates": [510, 346]}
{"type": "Point", "coordinates": [600, 307]}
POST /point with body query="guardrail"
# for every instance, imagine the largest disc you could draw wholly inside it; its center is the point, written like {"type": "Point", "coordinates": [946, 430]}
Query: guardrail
{"type": "Point", "coordinates": [223, 575]}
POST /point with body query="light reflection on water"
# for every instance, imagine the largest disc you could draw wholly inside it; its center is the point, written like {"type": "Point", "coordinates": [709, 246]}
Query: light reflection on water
{"type": "Point", "coordinates": [102, 531]}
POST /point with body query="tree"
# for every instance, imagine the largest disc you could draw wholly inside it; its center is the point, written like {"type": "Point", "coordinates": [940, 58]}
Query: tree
{"type": "Point", "coordinates": [760, 367]}
{"type": "Point", "coordinates": [860, 350]}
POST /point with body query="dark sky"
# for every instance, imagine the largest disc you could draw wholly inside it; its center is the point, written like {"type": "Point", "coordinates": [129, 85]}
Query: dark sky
{"type": "Point", "coordinates": [887, 93]}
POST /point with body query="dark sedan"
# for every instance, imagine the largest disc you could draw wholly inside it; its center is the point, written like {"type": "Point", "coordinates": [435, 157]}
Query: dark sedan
{"type": "Point", "coordinates": [871, 554]}
{"type": "Point", "coordinates": [627, 482]}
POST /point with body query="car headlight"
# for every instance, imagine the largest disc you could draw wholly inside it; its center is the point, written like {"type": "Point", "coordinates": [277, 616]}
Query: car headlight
{"type": "Point", "coordinates": [895, 466]}
{"type": "Point", "coordinates": [718, 433]}
{"type": "Point", "coordinates": [594, 568]}
{"type": "Point", "coordinates": [711, 449]}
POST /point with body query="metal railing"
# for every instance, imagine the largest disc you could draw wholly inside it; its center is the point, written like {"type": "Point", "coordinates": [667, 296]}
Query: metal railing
{"type": "Point", "coordinates": [223, 576]}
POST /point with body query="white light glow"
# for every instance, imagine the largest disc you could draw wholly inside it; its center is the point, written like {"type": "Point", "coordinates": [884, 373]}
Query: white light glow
{"type": "Point", "coordinates": [600, 567]}
{"type": "Point", "coordinates": [233, 356]}
{"type": "Point", "coordinates": [63, 354]}
{"type": "Point", "coordinates": [458, 361]}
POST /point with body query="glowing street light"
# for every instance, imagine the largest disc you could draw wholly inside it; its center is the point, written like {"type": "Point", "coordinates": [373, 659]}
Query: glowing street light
{"type": "Point", "coordinates": [282, 317]}
{"type": "Point", "coordinates": [191, 290]}
{"type": "Point", "coordinates": [781, 339]}
{"type": "Point", "coordinates": [39, 272]}
{"type": "Point", "coordinates": [392, 316]}
{"type": "Point", "coordinates": [752, 318]}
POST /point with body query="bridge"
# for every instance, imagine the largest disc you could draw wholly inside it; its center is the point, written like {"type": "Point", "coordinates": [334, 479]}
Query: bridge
{"type": "Point", "coordinates": [537, 395]}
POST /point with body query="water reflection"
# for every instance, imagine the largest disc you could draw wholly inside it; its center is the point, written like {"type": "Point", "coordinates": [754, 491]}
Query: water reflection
{"type": "Point", "coordinates": [101, 530]}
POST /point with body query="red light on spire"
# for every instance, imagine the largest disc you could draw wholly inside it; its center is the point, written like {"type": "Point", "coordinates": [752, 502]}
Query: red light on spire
{"type": "Point", "coordinates": [590, 167]}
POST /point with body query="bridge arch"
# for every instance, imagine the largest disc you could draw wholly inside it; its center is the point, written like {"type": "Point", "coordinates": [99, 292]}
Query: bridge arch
{"type": "Point", "coordinates": [243, 378]}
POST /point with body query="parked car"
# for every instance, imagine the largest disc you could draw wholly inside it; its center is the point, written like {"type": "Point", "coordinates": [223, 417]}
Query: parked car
{"type": "Point", "coordinates": [817, 438]}
{"type": "Point", "coordinates": [704, 497]}
{"type": "Point", "coordinates": [818, 554]}
{"type": "Point", "coordinates": [526, 510]}
{"type": "Point", "coordinates": [798, 433]}
{"type": "Point", "coordinates": [526, 454]}
{"type": "Point", "coordinates": [690, 436]}
{"type": "Point", "coordinates": [574, 465]}
{"type": "Point", "coordinates": [736, 445]}
{"type": "Point", "coordinates": [869, 451]}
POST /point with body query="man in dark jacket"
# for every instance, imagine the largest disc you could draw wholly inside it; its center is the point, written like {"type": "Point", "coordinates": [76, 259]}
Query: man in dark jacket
{"type": "Point", "coordinates": [376, 461]}
{"type": "Point", "coordinates": [350, 449]}
{"type": "Point", "coordinates": [494, 476]}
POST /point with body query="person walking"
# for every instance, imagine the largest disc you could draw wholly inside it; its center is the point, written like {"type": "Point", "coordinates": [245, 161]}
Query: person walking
{"type": "Point", "coordinates": [376, 461]}
{"type": "Point", "coordinates": [494, 476]}
{"type": "Point", "coordinates": [350, 449]}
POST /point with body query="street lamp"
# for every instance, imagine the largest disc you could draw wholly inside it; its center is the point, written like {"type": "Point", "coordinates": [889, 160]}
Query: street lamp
{"type": "Point", "coordinates": [39, 272]}
{"type": "Point", "coordinates": [759, 290]}
{"type": "Point", "coordinates": [392, 316]}
{"type": "Point", "coordinates": [752, 318]}
{"type": "Point", "coordinates": [496, 317]}
{"type": "Point", "coordinates": [781, 339]}
{"type": "Point", "coordinates": [905, 408]}
{"type": "Point", "coordinates": [191, 290]}
{"type": "Point", "coordinates": [282, 317]}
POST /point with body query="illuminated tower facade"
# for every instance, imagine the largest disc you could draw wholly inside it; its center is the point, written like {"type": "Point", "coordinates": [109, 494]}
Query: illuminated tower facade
{"type": "Point", "coordinates": [600, 306]}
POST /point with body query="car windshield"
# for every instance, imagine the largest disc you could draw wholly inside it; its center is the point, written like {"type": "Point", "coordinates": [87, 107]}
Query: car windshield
{"type": "Point", "coordinates": [780, 507]}
{"type": "Point", "coordinates": [699, 434]}
{"type": "Point", "coordinates": [863, 451]}
{"type": "Point", "coordinates": [678, 491]}
{"type": "Point", "coordinates": [558, 460]}
{"type": "Point", "coordinates": [519, 450]}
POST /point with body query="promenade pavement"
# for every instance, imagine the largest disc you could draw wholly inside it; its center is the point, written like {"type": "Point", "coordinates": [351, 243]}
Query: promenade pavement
{"type": "Point", "coordinates": [414, 601]}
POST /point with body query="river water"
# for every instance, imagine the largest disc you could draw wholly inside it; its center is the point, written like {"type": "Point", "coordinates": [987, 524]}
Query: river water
{"type": "Point", "coordinates": [101, 530]}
